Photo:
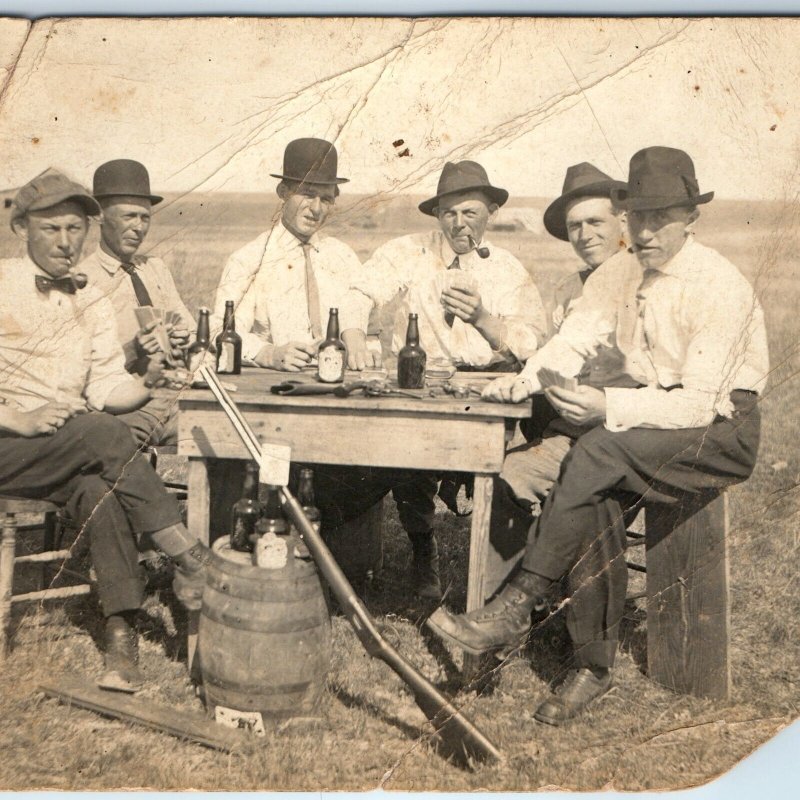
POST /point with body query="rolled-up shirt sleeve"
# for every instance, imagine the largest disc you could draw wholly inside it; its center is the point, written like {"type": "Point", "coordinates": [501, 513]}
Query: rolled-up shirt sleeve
{"type": "Point", "coordinates": [107, 363]}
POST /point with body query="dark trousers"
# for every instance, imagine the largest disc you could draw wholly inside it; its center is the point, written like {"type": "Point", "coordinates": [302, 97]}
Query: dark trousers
{"type": "Point", "coordinates": [581, 531]}
{"type": "Point", "coordinates": [91, 466]}
{"type": "Point", "coordinates": [344, 493]}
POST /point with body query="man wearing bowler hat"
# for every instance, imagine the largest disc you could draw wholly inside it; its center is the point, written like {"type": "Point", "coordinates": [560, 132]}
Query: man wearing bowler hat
{"type": "Point", "coordinates": [63, 379]}
{"type": "Point", "coordinates": [285, 281]}
{"type": "Point", "coordinates": [478, 310]}
{"type": "Point", "coordinates": [688, 427]}
{"type": "Point", "coordinates": [132, 280]}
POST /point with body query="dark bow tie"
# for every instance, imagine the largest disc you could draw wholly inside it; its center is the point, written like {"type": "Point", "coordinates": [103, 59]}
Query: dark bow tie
{"type": "Point", "coordinates": [69, 284]}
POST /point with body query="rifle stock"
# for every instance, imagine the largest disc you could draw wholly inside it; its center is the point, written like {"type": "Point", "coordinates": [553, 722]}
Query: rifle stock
{"type": "Point", "coordinates": [459, 735]}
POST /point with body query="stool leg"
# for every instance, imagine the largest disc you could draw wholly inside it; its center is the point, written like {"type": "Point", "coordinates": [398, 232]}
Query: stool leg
{"type": "Point", "coordinates": [48, 545]}
{"type": "Point", "coordinates": [7, 553]}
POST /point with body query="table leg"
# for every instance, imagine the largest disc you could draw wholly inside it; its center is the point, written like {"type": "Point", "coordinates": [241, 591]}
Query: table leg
{"type": "Point", "coordinates": [478, 551]}
{"type": "Point", "coordinates": [198, 516]}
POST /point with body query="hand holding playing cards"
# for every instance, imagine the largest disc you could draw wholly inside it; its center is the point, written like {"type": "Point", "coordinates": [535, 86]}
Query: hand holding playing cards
{"type": "Point", "coordinates": [582, 406]}
{"type": "Point", "coordinates": [178, 335]}
{"type": "Point", "coordinates": [147, 338]}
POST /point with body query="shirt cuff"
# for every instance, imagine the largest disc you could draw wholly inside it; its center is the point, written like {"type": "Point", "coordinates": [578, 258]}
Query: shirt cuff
{"type": "Point", "coordinates": [97, 393]}
{"type": "Point", "coordinates": [251, 345]}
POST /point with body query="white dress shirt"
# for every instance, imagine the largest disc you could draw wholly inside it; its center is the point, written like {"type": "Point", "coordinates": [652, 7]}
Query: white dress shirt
{"type": "Point", "coordinates": [701, 329]}
{"type": "Point", "coordinates": [266, 279]}
{"type": "Point", "coordinates": [55, 346]}
{"type": "Point", "coordinates": [416, 265]}
{"type": "Point", "coordinates": [106, 274]}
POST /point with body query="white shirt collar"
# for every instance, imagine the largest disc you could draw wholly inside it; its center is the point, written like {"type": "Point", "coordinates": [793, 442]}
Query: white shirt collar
{"type": "Point", "coordinates": [287, 240]}
{"type": "Point", "coordinates": [111, 264]}
{"type": "Point", "coordinates": [447, 253]}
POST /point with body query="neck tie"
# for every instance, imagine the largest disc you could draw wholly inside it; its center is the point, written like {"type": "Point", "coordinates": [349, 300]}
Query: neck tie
{"type": "Point", "coordinates": [69, 284]}
{"type": "Point", "coordinates": [448, 317]}
{"type": "Point", "coordinates": [312, 294]}
{"type": "Point", "coordinates": [142, 295]}
{"type": "Point", "coordinates": [644, 356]}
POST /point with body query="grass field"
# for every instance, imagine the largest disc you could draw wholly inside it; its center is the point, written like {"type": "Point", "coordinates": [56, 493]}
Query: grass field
{"type": "Point", "coordinates": [638, 737]}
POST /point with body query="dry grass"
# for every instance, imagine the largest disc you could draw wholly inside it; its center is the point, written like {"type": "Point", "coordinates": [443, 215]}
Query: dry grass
{"type": "Point", "coordinates": [638, 737]}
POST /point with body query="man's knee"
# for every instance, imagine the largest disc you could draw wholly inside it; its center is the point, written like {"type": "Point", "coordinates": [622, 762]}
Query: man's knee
{"type": "Point", "coordinates": [108, 437]}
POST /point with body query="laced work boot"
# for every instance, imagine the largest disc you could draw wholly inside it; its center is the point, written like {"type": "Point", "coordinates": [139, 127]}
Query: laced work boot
{"type": "Point", "coordinates": [502, 623]}
{"type": "Point", "coordinates": [121, 641]}
{"type": "Point", "coordinates": [425, 565]}
{"type": "Point", "coordinates": [582, 687]}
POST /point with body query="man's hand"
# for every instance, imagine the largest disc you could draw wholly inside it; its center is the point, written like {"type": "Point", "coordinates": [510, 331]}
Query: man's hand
{"type": "Point", "coordinates": [46, 419]}
{"type": "Point", "coordinates": [178, 339]}
{"type": "Point", "coordinates": [290, 357]}
{"type": "Point", "coordinates": [508, 389]}
{"type": "Point", "coordinates": [464, 301]}
{"type": "Point", "coordinates": [358, 355]}
{"type": "Point", "coordinates": [582, 407]}
{"type": "Point", "coordinates": [147, 339]}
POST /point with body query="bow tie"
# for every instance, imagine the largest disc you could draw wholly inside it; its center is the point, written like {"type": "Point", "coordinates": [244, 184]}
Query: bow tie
{"type": "Point", "coordinates": [69, 284]}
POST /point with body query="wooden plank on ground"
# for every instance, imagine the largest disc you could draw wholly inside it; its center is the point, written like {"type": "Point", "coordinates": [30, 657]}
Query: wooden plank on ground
{"type": "Point", "coordinates": [187, 725]}
{"type": "Point", "coordinates": [687, 597]}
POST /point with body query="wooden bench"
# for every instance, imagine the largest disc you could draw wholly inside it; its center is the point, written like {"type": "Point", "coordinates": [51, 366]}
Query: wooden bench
{"type": "Point", "coordinates": [9, 508]}
{"type": "Point", "coordinates": [687, 594]}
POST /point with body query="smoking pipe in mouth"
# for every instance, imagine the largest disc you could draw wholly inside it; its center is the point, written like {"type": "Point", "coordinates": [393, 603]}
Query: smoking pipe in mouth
{"type": "Point", "coordinates": [483, 252]}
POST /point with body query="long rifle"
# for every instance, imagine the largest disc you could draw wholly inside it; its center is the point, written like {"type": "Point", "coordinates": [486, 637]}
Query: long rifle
{"type": "Point", "coordinates": [458, 735]}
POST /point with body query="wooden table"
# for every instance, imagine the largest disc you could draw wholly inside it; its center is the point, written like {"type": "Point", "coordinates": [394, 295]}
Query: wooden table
{"type": "Point", "coordinates": [436, 433]}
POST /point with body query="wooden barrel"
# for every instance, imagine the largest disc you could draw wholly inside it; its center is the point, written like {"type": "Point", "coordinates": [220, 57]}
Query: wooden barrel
{"type": "Point", "coordinates": [358, 545]}
{"type": "Point", "coordinates": [265, 637]}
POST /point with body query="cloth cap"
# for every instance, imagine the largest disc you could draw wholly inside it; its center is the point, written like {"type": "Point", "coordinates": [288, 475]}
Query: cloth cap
{"type": "Point", "coordinates": [48, 189]}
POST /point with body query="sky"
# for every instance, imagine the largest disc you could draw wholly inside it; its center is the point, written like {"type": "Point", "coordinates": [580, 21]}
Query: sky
{"type": "Point", "coordinates": [210, 104]}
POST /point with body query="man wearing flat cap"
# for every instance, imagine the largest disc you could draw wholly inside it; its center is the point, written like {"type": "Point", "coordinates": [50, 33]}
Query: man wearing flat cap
{"type": "Point", "coordinates": [63, 379]}
{"type": "Point", "coordinates": [132, 280]}
{"type": "Point", "coordinates": [688, 428]}
{"type": "Point", "coordinates": [285, 281]}
{"type": "Point", "coordinates": [478, 310]}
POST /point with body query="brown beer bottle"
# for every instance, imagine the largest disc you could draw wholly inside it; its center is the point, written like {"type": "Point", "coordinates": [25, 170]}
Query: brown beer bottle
{"type": "Point", "coordinates": [201, 346]}
{"type": "Point", "coordinates": [305, 496]}
{"type": "Point", "coordinates": [411, 359]}
{"type": "Point", "coordinates": [229, 345]}
{"type": "Point", "coordinates": [246, 512]}
{"type": "Point", "coordinates": [271, 546]}
{"type": "Point", "coordinates": [332, 355]}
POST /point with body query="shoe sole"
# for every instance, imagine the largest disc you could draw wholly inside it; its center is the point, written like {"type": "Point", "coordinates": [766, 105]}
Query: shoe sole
{"type": "Point", "coordinates": [443, 634]}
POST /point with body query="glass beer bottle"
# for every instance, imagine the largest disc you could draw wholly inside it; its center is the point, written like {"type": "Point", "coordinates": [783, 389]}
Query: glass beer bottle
{"type": "Point", "coordinates": [246, 512]}
{"type": "Point", "coordinates": [229, 345]}
{"type": "Point", "coordinates": [271, 546]}
{"type": "Point", "coordinates": [305, 496]}
{"type": "Point", "coordinates": [201, 346]}
{"type": "Point", "coordinates": [411, 359]}
{"type": "Point", "coordinates": [332, 355]}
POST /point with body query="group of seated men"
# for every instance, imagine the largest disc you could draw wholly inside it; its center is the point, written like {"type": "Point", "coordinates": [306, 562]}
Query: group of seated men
{"type": "Point", "coordinates": [663, 336]}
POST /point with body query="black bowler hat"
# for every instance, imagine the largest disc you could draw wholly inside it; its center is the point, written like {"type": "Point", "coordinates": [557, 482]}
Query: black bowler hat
{"type": "Point", "coordinates": [463, 176]}
{"type": "Point", "coordinates": [310, 161]}
{"type": "Point", "coordinates": [660, 177]}
{"type": "Point", "coordinates": [123, 177]}
{"type": "Point", "coordinates": [582, 180]}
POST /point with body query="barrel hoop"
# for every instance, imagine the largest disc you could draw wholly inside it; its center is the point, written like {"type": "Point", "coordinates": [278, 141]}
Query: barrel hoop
{"type": "Point", "coordinates": [279, 625]}
{"type": "Point", "coordinates": [251, 692]}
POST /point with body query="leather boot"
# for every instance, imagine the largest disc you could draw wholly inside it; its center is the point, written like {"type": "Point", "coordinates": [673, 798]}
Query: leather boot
{"type": "Point", "coordinates": [425, 565]}
{"type": "Point", "coordinates": [581, 688]}
{"type": "Point", "coordinates": [503, 622]}
{"type": "Point", "coordinates": [121, 644]}
{"type": "Point", "coordinates": [190, 575]}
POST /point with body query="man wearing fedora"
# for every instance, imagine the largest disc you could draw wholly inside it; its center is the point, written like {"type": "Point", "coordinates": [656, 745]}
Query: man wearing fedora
{"type": "Point", "coordinates": [131, 280]}
{"type": "Point", "coordinates": [63, 379]}
{"type": "Point", "coordinates": [478, 310]}
{"type": "Point", "coordinates": [688, 427]}
{"type": "Point", "coordinates": [285, 281]}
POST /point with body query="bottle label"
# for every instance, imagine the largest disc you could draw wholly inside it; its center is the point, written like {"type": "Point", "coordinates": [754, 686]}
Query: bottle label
{"type": "Point", "coordinates": [196, 360]}
{"type": "Point", "coordinates": [271, 551]}
{"type": "Point", "coordinates": [331, 365]}
{"type": "Point", "coordinates": [226, 358]}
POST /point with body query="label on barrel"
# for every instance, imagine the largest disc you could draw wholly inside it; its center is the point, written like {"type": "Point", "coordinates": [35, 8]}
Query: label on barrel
{"type": "Point", "coordinates": [244, 720]}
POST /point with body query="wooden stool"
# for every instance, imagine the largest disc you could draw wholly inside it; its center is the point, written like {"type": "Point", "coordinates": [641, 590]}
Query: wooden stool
{"type": "Point", "coordinates": [9, 508]}
{"type": "Point", "coordinates": [688, 595]}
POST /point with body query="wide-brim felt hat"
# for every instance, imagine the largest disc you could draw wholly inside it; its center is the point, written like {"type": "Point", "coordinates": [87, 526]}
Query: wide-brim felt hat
{"type": "Point", "coordinates": [660, 177]}
{"type": "Point", "coordinates": [463, 176]}
{"type": "Point", "coordinates": [310, 161]}
{"type": "Point", "coordinates": [123, 177]}
{"type": "Point", "coordinates": [582, 180]}
{"type": "Point", "coordinates": [48, 189]}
